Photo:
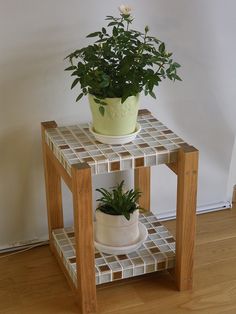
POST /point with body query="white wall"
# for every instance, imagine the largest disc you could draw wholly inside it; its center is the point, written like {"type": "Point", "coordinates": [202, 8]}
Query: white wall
{"type": "Point", "coordinates": [35, 36]}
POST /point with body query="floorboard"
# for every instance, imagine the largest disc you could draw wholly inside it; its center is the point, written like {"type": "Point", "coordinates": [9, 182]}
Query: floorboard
{"type": "Point", "coordinates": [32, 282]}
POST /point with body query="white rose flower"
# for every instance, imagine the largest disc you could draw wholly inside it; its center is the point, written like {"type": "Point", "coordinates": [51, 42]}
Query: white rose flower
{"type": "Point", "coordinates": [125, 9]}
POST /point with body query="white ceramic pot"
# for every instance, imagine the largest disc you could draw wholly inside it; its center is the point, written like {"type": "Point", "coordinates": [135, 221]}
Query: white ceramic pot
{"type": "Point", "coordinates": [114, 230]}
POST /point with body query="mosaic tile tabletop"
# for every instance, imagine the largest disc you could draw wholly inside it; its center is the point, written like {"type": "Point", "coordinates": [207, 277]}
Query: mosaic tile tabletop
{"type": "Point", "coordinates": [155, 144]}
{"type": "Point", "coordinates": [157, 253]}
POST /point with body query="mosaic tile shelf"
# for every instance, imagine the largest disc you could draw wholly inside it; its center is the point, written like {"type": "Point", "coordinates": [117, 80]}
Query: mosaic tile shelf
{"type": "Point", "coordinates": [155, 144]}
{"type": "Point", "coordinates": [157, 253]}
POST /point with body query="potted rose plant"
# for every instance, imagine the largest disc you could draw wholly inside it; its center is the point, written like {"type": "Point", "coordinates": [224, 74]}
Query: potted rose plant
{"type": "Point", "coordinates": [117, 217]}
{"type": "Point", "coordinates": [116, 68]}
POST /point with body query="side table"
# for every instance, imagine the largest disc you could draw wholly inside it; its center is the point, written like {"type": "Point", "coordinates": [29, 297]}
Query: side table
{"type": "Point", "coordinates": [73, 154]}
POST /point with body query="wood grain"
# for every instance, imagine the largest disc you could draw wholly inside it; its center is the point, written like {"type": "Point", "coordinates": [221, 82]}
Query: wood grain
{"type": "Point", "coordinates": [234, 195]}
{"type": "Point", "coordinates": [185, 216]}
{"type": "Point", "coordinates": [142, 181]}
{"type": "Point", "coordinates": [84, 239]}
{"type": "Point", "coordinates": [58, 167]}
{"type": "Point", "coordinates": [52, 185]}
{"type": "Point", "coordinates": [173, 166]}
{"type": "Point", "coordinates": [32, 282]}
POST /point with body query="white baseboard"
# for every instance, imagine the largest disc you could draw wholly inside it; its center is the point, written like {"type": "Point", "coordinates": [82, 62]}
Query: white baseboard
{"type": "Point", "coordinates": [162, 216]}
{"type": "Point", "coordinates": [200, 210]}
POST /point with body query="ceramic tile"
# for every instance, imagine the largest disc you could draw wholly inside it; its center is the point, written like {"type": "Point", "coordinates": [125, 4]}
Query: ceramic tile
{"type": "Point", "coordinates": [156, 254]}
{"type": "Point", "coordinates": [156, 144]}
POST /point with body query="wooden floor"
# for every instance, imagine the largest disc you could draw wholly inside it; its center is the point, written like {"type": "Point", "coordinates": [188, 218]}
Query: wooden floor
{"type": "Point", "coordinates": [33, 283]}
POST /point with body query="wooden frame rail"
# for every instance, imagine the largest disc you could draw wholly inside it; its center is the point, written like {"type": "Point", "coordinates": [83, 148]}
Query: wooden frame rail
{"type": "Point", "coordinates": [80, 184]}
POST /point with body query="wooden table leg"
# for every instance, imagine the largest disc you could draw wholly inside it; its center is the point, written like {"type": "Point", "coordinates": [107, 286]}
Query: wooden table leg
{"type": "Point", "coordinates": [186, 216]}
{"type": "Point", "coordinates": [142, 181]}
{"type": "Point", "coordinates": [53, 187]}
{"type": "Point", "coordinates": [83, 225]}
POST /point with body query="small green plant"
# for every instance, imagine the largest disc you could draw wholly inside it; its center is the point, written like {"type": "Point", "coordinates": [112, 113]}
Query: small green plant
{"type": "Point", "coordinates": [122, 62]}
{"type": "Point", "coordinates": [118, 201]}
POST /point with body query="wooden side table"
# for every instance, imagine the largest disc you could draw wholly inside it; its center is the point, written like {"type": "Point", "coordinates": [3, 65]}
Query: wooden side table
{"type": "Point", "coordinates": [73, 154]}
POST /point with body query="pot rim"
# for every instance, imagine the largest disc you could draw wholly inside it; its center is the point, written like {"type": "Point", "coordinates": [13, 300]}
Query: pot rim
{"type": "Point", "coordinates": [118, 98]}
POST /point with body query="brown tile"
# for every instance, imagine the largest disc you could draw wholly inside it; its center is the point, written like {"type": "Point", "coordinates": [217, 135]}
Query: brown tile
{"type": "Point", "coordinates": [143, 112]}
{"type": "Point", "coordinates": [151, 231]}
{"type": "Point", "coordinates": [170, 254]}
{"type": "Point", "coordinates": [121, 257]}
{"type": "Point", "coordinates": [156, 224]}
{"type": "Point", "coordinates": [115, 165]}
{"type": "Point", "coordinates": [143, 145]}
{"type": "Point", "coordinates": [70, 234]}
{"type": "Point", "coordinates": [160, 148]}
{"type": "Point", "coordinates": [124, 154]}
{"type": "Point", "coordinates": [161, 265]}
{"type": "Point", "coordinates": [64, 146]}
{"type": "Point", "coordinates": [139, 162]}
{"type": "Point", "coordinates": [97, 255]}
{"type": "Point", "coordinates": [154, 250]}
{"type": "Point", "coordinates": [100, 157]}
{"type": "Point", "coordinates": [88, 159]}
{"type": "Point", "coordinates": [72, 260]}
{"type": "Point", "coordinates": [79, 150]}
{"type": "Point", "coordinates": [104, 268]}
{"type": "Point", "coordinates": [161, 138]}
{"type": "Point", "coordinates": [167, 132]}
{"type": "Point", "coordinates": [153, 120]}
{"type": "Point", "coordinates": [170, 240]}
{"type": "Point", "coordinates": [117, 275]}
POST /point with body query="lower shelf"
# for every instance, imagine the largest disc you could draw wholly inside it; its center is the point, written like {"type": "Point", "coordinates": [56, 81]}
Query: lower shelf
{"type": "Point", "coordinates": [157, 253]}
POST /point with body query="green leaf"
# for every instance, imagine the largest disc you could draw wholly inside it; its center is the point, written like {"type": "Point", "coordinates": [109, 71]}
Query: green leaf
{"type": "Point", "coordinates": [73, 67]}
{"type": "Point", "coordinates": [97, 100]}
{"type": "Point", "coordinates": [101, 40]}
{"type": "Point", "coordinates": [76, 81]}
{"type": "Point", "coordinates": [75, 73]}
{"type": "Point", "coordinates": [104, 83]}
{"type": "Point", "coordinates": [79, 97]}
{"type": "Point", "coordinates": [95, 34]}
{"type": "Point", "coordinates": [176, 65]}
{"type": "Point", "coordinates": [176, 77]}
{"type": "Point", "coordinates": [109, 17]}
{"type": "Point", "coordinates": [112, 24]}
{"type": "Point", "coordinates": [103, 103]}
{"type": "Point", "coordinates": [162, 48]}
{"type": "Point", "coordinates": [102, 110]}
{"type": "Point", "coordinates": [152, 94]}
{"type": "Point", "coordinates": [114, 31]}
{"type": "Point", "coordinates": [104, 30]}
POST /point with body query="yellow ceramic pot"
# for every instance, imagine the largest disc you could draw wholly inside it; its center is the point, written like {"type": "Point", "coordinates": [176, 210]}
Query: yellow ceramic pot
{"type": "Point", "coordinates": [118, 118]}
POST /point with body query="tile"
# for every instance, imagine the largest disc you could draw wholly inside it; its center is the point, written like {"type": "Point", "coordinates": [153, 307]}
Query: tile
{"type": "Point", "coordinates": [156, 254]}
{"type": "Point", "coordinates": [115, 166]}
{"type": "Point", "coordinates": [156, 144]}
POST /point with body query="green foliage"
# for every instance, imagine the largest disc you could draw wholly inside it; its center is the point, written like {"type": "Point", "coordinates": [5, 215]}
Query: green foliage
{"type": "Point", "coordinates": [118, 201]}
{"type": "Point", "coordinates": [121, 62]}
